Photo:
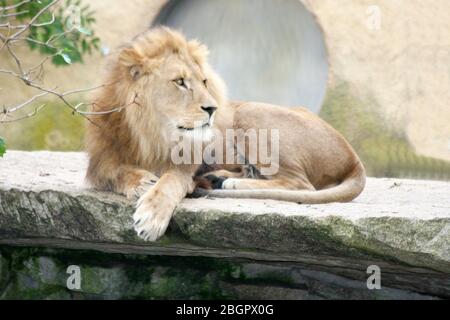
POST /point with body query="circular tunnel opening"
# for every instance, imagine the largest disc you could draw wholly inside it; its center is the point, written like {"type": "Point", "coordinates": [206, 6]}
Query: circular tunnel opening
{"type": "Point", "coordinates": [266, 50]}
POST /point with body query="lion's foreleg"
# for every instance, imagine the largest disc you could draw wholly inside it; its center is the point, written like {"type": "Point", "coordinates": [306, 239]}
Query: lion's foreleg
{"type": "Point", "coordinates": [156, 207]}
{"type": "Point", "coordinates": [105, 172]}
{"type": "Point", "coordinates": [133, 182]}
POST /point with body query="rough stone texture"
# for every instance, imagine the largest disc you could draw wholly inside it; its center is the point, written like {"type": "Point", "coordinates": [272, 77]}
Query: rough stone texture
{"type": "Point", "coordinates": [42, 274]}
{"type": "Point", "coordinates": [403, 226]}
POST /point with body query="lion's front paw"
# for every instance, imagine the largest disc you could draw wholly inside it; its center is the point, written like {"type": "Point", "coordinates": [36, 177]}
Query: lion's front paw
{"type": "Point", "coordinates": [152, 216]}
{"type": "Point", "coordinates": [146, 183]}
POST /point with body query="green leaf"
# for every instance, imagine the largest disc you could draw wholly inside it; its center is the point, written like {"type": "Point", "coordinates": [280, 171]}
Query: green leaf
{"type": "Point", "coordinates": [2, 147]}
{"type": "Point", "coordinates": [80, 42]}
{"type": "Point", "coordinates": [85, 31]}
{"type": "Point", "coordinates": [66, 58]}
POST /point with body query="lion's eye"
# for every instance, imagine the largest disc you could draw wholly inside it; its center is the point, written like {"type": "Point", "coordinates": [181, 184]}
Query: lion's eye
{"type": "Point", "coordinates": [180, 82]}
{"type": "Point", "coordinates": [205, 82]}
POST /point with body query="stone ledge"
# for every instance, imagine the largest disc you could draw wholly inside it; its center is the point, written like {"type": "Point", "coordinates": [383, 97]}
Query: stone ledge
{"type": "Point", "coordinates": [403, 226]}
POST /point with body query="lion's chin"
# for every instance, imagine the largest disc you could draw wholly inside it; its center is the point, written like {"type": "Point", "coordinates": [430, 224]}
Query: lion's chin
{"type": "Point", "coordinates": [200, 134]}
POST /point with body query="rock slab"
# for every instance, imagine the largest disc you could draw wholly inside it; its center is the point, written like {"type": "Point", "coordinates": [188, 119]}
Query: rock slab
{"type": "Point", "coordinates": [402, 226]}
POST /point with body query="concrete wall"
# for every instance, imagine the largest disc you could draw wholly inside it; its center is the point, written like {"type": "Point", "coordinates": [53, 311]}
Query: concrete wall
{"type": "Point", "coordinates": [404, 65]}
{"type": "Point", "coordinates": [395, 52]}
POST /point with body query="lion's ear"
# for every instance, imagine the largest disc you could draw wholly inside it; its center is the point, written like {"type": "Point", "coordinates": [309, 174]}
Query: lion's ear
{"type": "Point", "coordinates": [133, 60]}
{"type": "Point", "coordinates": [136, 72]}
{"type": "Point", "coordinates": [130, 56]}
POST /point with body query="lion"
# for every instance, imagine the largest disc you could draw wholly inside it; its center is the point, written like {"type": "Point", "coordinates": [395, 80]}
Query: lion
{"type": "Point", "coordinates": [161, 84]}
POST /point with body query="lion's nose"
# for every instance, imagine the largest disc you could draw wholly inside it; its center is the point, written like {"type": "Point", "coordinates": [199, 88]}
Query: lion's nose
{"type": "Point", "coordinates": [210, 110]}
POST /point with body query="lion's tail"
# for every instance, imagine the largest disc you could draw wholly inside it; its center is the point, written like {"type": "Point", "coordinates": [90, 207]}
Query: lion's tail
{"type": "Point", "coordinates": [349, 189]}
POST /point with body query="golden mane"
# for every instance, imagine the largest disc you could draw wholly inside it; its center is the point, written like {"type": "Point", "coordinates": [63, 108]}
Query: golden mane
{"type": "Point", "coordinates": [117, 138]}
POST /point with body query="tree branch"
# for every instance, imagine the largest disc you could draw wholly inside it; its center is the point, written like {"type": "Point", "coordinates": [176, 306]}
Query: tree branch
{"type": "Point", "coordinates": [29, 76]}
{"type": "Point", "coordinates": [15, 6]}
{"type": "Point", "coordinates": [34, 19]}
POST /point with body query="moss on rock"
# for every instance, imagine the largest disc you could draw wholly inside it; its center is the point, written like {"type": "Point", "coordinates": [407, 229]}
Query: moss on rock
{"type": "Point", "coordinates": [53, 128]}
{"type": "Point", "coordinates": [41, 274]}
{"type": "Point", "coordinates": [385, 152]}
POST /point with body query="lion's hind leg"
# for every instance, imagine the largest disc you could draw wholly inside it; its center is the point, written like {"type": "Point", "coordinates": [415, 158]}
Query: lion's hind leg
{"type": "Point", "coordinates": [259, 184]}
{"type": "Point", "coordinates": [214, 179]}
{"type": "Point", "coordinates": [225, 174]}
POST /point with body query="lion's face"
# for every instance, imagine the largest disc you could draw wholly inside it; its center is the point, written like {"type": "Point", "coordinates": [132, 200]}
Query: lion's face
{"type": "Point", "coordinates": [173, 83]}
{"type": "Point", "coordinates": [182, 93]}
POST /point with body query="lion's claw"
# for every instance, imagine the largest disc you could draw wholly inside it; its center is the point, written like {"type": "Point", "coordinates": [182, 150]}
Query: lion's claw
{"type": "Point", "coordinates": [152, 216]}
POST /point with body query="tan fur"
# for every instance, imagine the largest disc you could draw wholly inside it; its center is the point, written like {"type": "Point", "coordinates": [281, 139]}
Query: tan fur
{"type": "Point", "coordinates": [129, 151]}
{"type": "Point", "coordinates": [317, 165]}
